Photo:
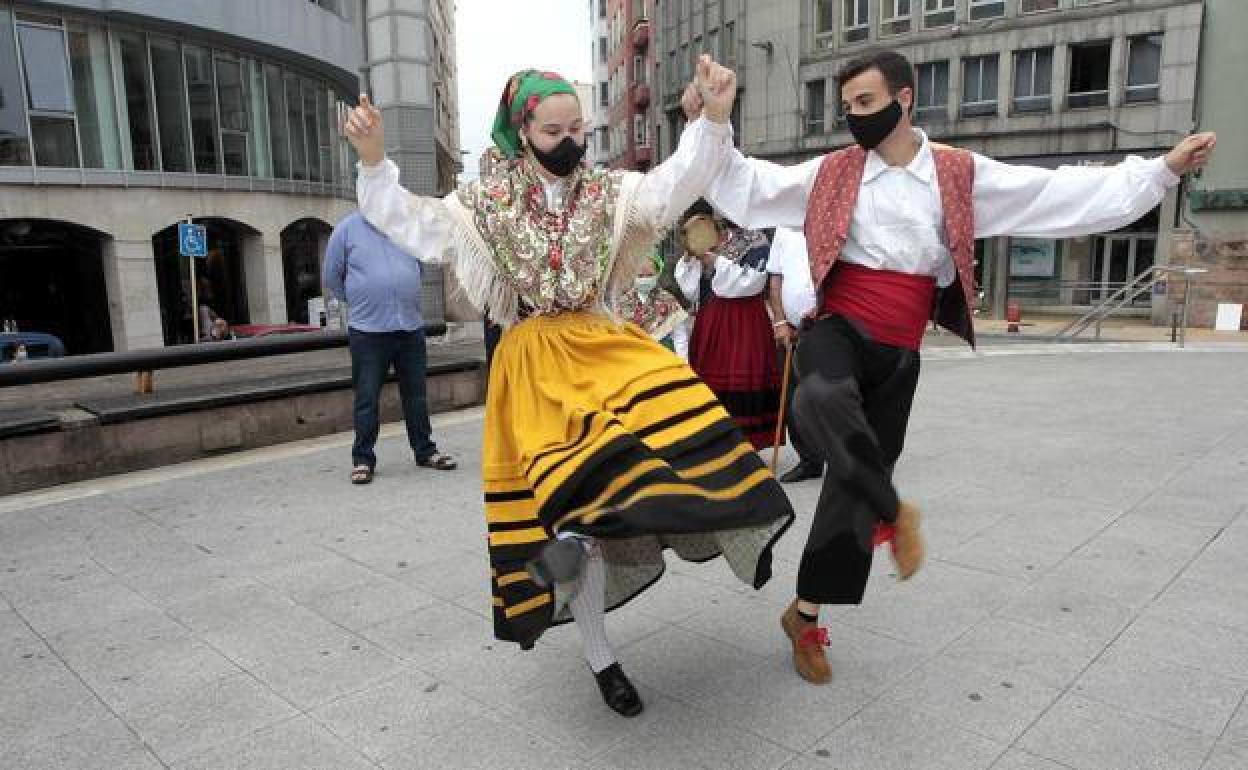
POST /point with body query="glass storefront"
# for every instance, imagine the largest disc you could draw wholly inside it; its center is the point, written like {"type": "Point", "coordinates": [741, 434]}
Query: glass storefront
{"type": "Point", "coordinates": [75, 94]}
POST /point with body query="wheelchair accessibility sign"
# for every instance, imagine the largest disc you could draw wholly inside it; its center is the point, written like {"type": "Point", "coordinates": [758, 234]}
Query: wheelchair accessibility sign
{"type": "Point", "coordinates": [192, 240]}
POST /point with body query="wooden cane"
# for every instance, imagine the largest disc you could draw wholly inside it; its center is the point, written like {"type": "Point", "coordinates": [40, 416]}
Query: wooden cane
{"type": "Point", "coordinates": [784, 402]}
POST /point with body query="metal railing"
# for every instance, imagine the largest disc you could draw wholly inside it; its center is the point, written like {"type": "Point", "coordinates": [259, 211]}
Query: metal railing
{"type": "Point", "coordinates": [42, 370]}
{"type": "Point", "coordinates": [1142, 284]}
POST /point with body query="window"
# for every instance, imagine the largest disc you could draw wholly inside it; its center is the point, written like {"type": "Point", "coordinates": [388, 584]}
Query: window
{"type": "Point", "coordinates": [673, 73]}
{"type": "Point", "coordinates": [170, 88]}
{"type": "Point", "coordinates": [987, 9]}
{"type": "Point", "coordinates": [939, 13]}
{"type": "Point", "coordinates": [94, 97]}
{"type": "Point", "coordinates": [1089, 74]}
{"type": "Point", "coordinates": [138, 120]}
{"type": "Point", "coordinates": [979, 86]}
{"type": "Point", "coordinates": [49, 94]}
{"type": "Point", "coordinates": [602, 9]}
{"type": "Point", "coordinates": [604, 96]}
{"type": "Point", "coordinates": [258, 144]}
{"type": "Point", "coordinates": [639, 70]}
{"type": "Point", "coordinates": [686, 73]}
{"type": "Point", "coordinates": [825, 17]}
{"type": "Point", "coordinates": [854, 22]}
{"type": "Point", "coordinates": [816, 91]}
{"type": "Point", "coordinates": [730, 42]}
{"type": "Point", "coordinates": [604, 143]}
{"type": "Point", "coordinates": [310, 126]}
{"type": "Point", "coordinates": [894, 17]}
{"type": "Point", "coordinates": [279, 129]}
{"type": "Point", "coordinates": [14, 144]}
{"type": "Point", "coordinates": [640, 136]}
{"type": "Point", "coordinates": [232, 107]}
{"type": "Point", "coordinates": [1144, 69]}
{"type": "Point", "coordinates": [602, 50]}
{"type": "Point", "coordinates": [294, 124]}
{"type": "Point", "coordinates": [200, 95]}
{"type": "Point", "coordinates": [931, 99]}
{"type": "Point", "coordinates": [712, 44]}
{"type": "Point", "coordinates": [1033, 80]}
{"type": "Point", "coordinates": [1036, 6]}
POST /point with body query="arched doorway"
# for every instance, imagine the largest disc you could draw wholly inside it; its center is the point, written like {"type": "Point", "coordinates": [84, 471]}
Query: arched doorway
{"type": "Point", "coordinates": [303, 247]}
{"type": "Point", "coordinates": [52, 281]}
{"type": "Point", "coordinates": [220, 278]}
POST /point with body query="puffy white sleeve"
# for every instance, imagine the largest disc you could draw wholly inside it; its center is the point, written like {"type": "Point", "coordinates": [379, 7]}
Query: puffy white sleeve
{"type": "Point", "coordinates": [419, 225]}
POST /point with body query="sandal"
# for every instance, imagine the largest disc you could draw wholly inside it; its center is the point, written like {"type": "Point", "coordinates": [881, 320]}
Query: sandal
{"type": "Point", "coordinates": [361, 474]}
{"type": "Point", "coordinates": [438, 462]}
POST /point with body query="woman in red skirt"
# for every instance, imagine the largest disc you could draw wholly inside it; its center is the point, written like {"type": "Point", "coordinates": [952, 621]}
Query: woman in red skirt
{"type": "Point", "coordinates": [732, 348]}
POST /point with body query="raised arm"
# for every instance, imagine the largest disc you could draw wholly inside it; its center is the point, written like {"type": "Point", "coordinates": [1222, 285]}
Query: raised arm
{"type": "Point", "coordinates": [418, 225]}
{"type": "Point", "coordinates": [1074, 200]}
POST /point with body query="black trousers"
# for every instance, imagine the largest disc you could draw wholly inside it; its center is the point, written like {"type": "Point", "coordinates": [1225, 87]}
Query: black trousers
{"type": "Point", "coordinates": [805, 452]}
{"type": "Point", "coordinates": [853, 405]}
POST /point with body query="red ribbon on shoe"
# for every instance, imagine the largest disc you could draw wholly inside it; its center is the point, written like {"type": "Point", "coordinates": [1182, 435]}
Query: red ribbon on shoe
{"type": "Point", "coordinates": [812, 637]}
{"type": "Point", "coordinates": [884, 533]}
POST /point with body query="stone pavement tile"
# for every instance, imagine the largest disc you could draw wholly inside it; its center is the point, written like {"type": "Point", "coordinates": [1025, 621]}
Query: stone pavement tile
{"type": "Point", "coordinates": [1189, 509]}
{"type": "Point", "coordinates": [1089, 735]}
{"type": "Point", "coordinates": [744, 621]}
{"type": "Point", "coordinates": [995, 703]}
{"type": "Point", "coordinates": [1177, 539]}
{"type": "Point", "coordinates": [501, 671]}
{"type": "Point", "coordinates": [689, 737]}
{"type": "Point", "coordinates": [1016, 759]}
{"type": "Point", "coordinates": [1124, 571]}
{"type": "Point", "coordinates": [427, 633]}
{"type": "Point", "coordinates": [991, 552]}
{"type": "Point", "coordinates": [22, 533]}
{"type": "Point", "coordinates": [860, 660]}
{"type": "Point", "coordinates": [1177, 694]}
{"type": "Point", "coordinates": [187, 579]}
{"type": "Point", "coordinates": [397, 712]}
{"type": "Point", "coordinates": [384, 547]}
{"type": "Point", "coordinates": [449, 574]}
{"type": "Point", "coordinates": [227, 709]}
{"type": "Point", "coordinates": [49, 576]}
{"type": "Point", "coordinates": [1054, 522]}
{"type": "Point", "coordinates": [98, 606]}
{"type": "Point", "coordinates": [370, 603]}
{"type": "Point", "coordinates": [141, 660]}
{"type": "Point", "coordinates": [309, 675]}
{"type": "Point", "coordinates": [1227, 756]}
{"type": "Point", "coordinates": [295, 744]}
{"type": "Point", "coordinates": [684, 665]}
{"type": "Point", "coordinates": [572, 715]}
{"type": "Point", "coordinates": [1237, 730]}
{"type": "Point", "coordinates": [775, 703]}
{"type": "Point", "coordinates": [679, 597]}
{"type": "Point", "coordinates": [1062, 608]}
{"type": "Point", "coordinates": [303, 581]}
{"type": "Point", "coordinates": [100, 742]}
{"type": "Point", "coordinates": [43, 700]}
{"type": "Point", "coordinates": [485, 744]}
{"type": "Point", "coordinates": [1179, 638]}
{"type": "Point", "coordinates": [1052, 658]}
{"type": "Point", "coordinates": [1225, 561]}
{"type": "Point", "coordinates": [888, 736]}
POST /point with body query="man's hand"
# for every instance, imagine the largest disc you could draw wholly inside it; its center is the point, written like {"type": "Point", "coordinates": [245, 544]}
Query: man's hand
{"type": "Point", "coordinates": [714, 89]}
{"type": "Point", "coordinates": [786, 335]}
{"type": "Point", "coordinates": [1192, 153]}
{"type": "Point", "coordinates": [364, 131]}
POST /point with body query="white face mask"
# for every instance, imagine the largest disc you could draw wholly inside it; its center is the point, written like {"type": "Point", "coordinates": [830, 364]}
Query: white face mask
{"type": "Point", "coordinates": [646, 283]}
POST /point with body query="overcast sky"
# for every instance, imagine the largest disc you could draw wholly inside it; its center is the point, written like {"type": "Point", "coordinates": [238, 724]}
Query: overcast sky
{"type": "Point", "coordinates": [497, 37]}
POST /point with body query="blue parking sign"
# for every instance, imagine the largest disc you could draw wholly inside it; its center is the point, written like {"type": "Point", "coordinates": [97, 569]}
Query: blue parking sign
{"type": "Point", "coordinates": [192, 240]}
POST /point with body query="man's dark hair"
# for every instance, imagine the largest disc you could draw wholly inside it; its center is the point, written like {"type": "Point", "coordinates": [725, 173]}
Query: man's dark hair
{"type": "Point", "coordinates": [895, 68]}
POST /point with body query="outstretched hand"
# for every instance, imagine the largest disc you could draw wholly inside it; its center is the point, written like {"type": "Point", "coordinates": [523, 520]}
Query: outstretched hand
{"type": "Point", "coordinates": [365, 132]}
{"type": "Point", "coordinates": [712, 92]}
{"type": "Point", "coordinates": [1192, 153]}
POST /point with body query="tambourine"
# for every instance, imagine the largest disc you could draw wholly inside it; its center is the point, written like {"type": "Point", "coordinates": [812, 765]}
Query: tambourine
{"type": "Point", "coordinates": [701, 234]}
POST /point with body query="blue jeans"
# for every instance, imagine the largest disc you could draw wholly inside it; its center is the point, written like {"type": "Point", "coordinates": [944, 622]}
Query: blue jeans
{"type": "Point", "coordinates": [372, 354]}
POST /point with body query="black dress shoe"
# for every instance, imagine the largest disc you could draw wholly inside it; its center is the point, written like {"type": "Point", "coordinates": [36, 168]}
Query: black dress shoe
{"type": "Point", "coordinates": [618, 692]}
{"type": "Point", "coordinates": [802, 471]}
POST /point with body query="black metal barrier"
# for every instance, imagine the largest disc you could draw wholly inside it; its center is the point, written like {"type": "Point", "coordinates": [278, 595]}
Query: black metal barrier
{"type": "Point", "coordinates": [35, 371]}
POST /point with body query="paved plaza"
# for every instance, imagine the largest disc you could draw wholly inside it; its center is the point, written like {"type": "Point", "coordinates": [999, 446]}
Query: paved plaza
{"type": "Point", "coordinates": [1084, 606]}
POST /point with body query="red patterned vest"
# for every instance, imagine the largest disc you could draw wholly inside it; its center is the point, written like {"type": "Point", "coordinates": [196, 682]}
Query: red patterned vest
{"type": "Point", "coordinates": [831, 209]}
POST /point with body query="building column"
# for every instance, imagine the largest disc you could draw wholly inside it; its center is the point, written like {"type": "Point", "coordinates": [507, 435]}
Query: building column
{"type": "Point", "coordinates": [1000, 275]}
{"type": "Point", "coordinates": [266, 289]}
{"type": "Point", "coordinates": [133, 295]}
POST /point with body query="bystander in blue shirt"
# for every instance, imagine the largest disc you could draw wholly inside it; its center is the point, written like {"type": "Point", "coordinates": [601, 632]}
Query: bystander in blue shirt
{"type": "Point", "coordinates": [379, 281]}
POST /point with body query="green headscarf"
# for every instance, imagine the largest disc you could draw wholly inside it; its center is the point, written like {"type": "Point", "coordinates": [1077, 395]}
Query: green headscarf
{"type": "Point", "coordinates": [525, 90]}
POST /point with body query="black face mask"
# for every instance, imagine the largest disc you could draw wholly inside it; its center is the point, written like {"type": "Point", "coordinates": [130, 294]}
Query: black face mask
{"type": "Point", "coordinates": [870, 130]}
{"type": "Point", "coordinates": [564, 159]}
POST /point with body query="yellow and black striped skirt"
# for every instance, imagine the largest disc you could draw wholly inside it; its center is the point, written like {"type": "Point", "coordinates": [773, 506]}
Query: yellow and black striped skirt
{"type": "Point", "coordinates": [592, 427]}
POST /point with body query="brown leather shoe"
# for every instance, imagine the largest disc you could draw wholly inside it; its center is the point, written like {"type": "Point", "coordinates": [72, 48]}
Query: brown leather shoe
{"type": "Point", "coordinates": [907, 546]}
{"type": "Point", "coordinates": [808, 642]}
